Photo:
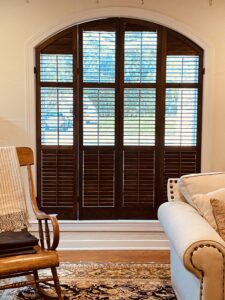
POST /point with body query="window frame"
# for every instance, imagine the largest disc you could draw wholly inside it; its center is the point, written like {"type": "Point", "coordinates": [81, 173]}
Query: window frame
{"type": "Point", "coordinates": [120, 25]}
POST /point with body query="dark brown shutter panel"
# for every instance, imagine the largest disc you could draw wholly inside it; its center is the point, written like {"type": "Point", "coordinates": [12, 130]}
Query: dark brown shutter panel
{"type": "Point", "coordinates": [61, 45]}
{"type": "Point", "coordinates": [138, 178]}
{"type": "Point", "coordinates": [178, 163]}
{"type": "Point", "coordinates": [57, 185]}
{"type": "Point", "coordinates": [179, 45]}
{"type": "Point", "coordinates": [98, 178]}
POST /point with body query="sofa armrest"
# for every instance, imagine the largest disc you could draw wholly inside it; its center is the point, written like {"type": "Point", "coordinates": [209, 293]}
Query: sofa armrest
{"type": "Point", "coordinates": [184, 226]}
{"type": "Point", "coordinates": [198, 245]}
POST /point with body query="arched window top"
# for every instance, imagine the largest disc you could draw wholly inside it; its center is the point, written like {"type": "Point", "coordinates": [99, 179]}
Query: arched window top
{"type": "Point", "coordinates": [62, 42]}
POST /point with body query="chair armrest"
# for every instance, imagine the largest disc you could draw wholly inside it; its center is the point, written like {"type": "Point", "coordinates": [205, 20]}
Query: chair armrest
{"type": "Point", "coordinates": [199, 247]}
{"type": "Point", "coordinates": [41, 216]}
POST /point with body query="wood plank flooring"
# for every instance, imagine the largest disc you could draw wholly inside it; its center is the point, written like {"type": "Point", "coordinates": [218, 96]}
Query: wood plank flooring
{"type": "Point", "coordinates": [162, 256]}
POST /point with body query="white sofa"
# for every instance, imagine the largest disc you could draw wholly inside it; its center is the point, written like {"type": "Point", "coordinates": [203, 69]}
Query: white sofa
{"type": "Point", "coordinates": [197, 250]}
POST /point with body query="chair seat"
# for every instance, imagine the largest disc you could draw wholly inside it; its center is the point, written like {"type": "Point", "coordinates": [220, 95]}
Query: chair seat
{"type": "Point", "coordinates": [21, 263]}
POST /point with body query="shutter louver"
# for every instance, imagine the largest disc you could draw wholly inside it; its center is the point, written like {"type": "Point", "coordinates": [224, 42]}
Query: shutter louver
{"type": "Point", "coordinates": [56, 68]}
{"type": "Point", "coordinates": [140, 53]}
{"type": "Point", "coordinates": [98, 116]}
{"type": "Point", "coordinates": [138, 178]}
{"type": "Point", "coordinates": [182, 69]}
{"type": "Point", "coordinates": [98, 178]}
{"type": "Point", "coordinates": [181, 117]}
{"type": "Point", "coordinates": [57, 185]}
{"type": "Point", "coordinates": [139, 117]}
{"type": "Point", "coordinates": [99, 56]}
{"type": "Point", "coordinates": [56, 116]}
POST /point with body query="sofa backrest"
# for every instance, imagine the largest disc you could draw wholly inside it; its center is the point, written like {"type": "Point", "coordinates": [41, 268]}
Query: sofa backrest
{"type": "Point", "coordinates": [185, 187]}
{"type": "Point", "coordinates": [201, 183]}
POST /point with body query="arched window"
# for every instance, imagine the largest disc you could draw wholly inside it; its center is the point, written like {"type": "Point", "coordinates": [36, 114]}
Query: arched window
{"type": "Point", "coordinates": [119, 105]}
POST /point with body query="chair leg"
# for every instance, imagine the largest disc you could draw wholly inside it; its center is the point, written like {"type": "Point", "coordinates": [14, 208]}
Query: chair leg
{"type": "Point", "coordinates": [36, 278]}
{"type": "Point", "coordinates": [56, 282]}
{"type": "Point", "coordinates": [44, 294]}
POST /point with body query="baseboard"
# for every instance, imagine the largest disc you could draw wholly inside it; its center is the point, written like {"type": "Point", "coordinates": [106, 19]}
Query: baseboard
{"type": "Point", "coordinates": [114, 245]}
{"type": "Point", "coordinates": [110, 235]}
{"type": "Point", "coordinates": [106, 225]}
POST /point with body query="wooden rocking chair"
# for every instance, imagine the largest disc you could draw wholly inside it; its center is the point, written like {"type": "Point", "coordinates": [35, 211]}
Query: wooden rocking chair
{"type": "Point", "coordinates": [46, 255]}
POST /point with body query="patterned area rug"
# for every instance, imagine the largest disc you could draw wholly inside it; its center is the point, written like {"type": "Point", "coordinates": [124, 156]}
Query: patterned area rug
{"type": "Point", "coordinates": [105, 281]}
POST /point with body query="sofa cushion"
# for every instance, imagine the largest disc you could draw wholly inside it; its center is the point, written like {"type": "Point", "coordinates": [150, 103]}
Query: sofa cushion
{"type": "Point", "coordinates": [204, 207]}
{"type": "Point", "coordinates": [218, 208]}
{"type": "Point", "coordinates": [201, 183]}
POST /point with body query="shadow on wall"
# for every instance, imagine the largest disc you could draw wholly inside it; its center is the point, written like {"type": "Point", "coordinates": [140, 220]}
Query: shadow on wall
{"type": "Point", "coordinates": [13, 133]}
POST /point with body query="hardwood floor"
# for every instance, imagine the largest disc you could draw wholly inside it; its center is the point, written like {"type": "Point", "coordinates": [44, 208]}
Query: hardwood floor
{"type": "Point", "coordinates": [115, 256]}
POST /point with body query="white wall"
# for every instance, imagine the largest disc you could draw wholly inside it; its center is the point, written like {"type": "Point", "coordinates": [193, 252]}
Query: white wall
{"type": "Point", "coordinates": [24, 24]}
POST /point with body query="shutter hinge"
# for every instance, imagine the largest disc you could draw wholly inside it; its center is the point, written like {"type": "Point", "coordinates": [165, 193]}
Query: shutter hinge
{"type": "Point", "coordinates": [35, 70]}
{"type": "Point", "coordinates": [203, 71]}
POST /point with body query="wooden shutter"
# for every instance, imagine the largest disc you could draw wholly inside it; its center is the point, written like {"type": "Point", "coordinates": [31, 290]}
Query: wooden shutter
{"type": "Point", "coordinates": [98, 197]}
{"type": "Point", "coordinates": [179, 162]}
{"type": "Point", "coordinates": [139, 108]}
{"type": "Point", "coordinates": [119, 105]}
{"type": "Point", "coordinates": [55, 110]}
{"type": "Point", "coordinates": [62, 43]}
{"type": "Point", "coordinates": [97, 131]}
{"type": "Point", "coordinates": [182, 136]}
{"type": "Point", "coordinates": [138, 183]}
{"type": "Point", "coordinates": [57, 186]}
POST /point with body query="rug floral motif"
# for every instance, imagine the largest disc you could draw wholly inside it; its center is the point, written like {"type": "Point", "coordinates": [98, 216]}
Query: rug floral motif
{"type": "Point", "coordinates": [105, 281]}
